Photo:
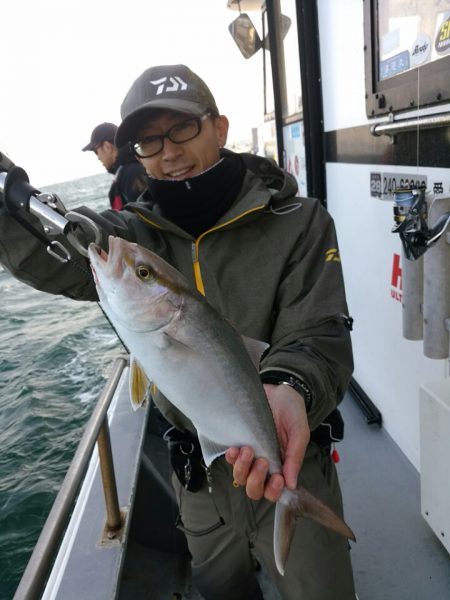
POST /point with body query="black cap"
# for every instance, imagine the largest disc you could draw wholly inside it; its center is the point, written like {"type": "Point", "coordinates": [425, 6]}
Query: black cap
{"type": "Point", "coordinates": [174, 87]}
{"type": "Point", "coordinates": [105, 132]}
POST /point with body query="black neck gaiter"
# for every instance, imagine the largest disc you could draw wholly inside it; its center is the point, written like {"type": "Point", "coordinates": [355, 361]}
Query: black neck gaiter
{"type": "Point", "coordinates": [196, 204]}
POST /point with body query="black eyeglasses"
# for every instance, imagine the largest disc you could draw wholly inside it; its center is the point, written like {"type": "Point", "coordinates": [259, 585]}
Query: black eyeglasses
{"type": "Point", "coordinates": [178, 134]}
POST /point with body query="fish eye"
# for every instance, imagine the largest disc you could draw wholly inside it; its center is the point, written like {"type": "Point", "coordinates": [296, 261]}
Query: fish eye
{"type": "Point", "coordinates": [144, 273]}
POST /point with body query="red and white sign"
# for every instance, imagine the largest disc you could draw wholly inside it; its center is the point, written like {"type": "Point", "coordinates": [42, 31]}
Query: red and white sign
{"type": "Point", "coordinates": [396, 278]}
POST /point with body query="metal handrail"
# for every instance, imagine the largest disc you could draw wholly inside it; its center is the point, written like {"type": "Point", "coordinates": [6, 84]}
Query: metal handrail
{"type": "Point", "coordinates": [113, 515]}
{"type": "Point", "coordinates": [36, 572]}
{"type": "Point", "coordinates": [411, 124]}
{"type": "Point", "coordinates": [403, 125]}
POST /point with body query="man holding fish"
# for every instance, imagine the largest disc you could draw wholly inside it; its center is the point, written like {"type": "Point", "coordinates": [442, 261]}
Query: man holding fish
{"type": "Point", "coordinates": [267, 261]}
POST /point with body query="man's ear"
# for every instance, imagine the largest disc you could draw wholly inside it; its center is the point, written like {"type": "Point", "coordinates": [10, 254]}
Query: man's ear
{"type": "Point", "coordinates": [109, 147]}
{"type": "Point", "coordinates": [221, 125]}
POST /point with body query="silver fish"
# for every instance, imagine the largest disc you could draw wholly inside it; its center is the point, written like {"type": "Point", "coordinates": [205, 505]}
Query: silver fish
{"type": "Point", "coordinates": [180, 343]}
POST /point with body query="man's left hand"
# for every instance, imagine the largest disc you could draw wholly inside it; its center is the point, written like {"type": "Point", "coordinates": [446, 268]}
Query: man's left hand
{"type": "Point", "coordinates": [291, 422]}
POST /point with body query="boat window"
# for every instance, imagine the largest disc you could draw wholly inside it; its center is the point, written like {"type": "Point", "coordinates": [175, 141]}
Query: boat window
{"type": "Point", "coordinates": [407, 45]}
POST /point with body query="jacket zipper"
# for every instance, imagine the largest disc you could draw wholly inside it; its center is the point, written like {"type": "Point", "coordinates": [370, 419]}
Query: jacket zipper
{"type": "Point", "coordinates": [195, 247]}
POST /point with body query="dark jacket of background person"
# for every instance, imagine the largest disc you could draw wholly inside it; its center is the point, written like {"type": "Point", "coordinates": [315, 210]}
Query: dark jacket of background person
{"type": "Point", "coordinates": [130, 180]}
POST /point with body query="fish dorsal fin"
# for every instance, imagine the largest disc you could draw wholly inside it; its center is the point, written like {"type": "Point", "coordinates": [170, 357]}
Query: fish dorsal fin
{"type": "Point", "coordinates": [255, 348]}
{"type": "Point", "coordinates": [210, 450]}
{"type": "Point", "coordinates": [139, 384]}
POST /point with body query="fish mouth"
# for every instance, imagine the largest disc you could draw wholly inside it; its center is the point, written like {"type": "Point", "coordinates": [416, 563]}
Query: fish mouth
{"type": "Point", "coordinates": [99, 251]}
{"type": "Point", "coordinates": [108, 262]}
{"type": "Point", "coordinates": [96, 256]}
{"type": "Point", "coordinates": [101, 255]}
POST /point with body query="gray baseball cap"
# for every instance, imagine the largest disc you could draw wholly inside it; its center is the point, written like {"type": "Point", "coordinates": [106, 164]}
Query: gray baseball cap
{"type": "Point", "coordinates": [174, 87]}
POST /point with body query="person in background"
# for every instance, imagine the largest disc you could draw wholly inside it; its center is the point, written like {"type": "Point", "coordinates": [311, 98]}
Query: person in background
{"type": "Point", "coordinates": [130, 179]}
{"type": "Point", "coordinates": [269, 261]}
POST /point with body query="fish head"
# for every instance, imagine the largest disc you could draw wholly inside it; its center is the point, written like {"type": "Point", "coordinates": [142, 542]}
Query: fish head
{"type": "Point", "coordinates": [136, 288]}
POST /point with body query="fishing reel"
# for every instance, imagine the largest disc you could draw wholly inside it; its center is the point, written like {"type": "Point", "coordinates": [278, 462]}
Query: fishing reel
{"type": "Point", "coordinates": [411, 222]}
{"type": "Point", "coordinates": [19, 195]}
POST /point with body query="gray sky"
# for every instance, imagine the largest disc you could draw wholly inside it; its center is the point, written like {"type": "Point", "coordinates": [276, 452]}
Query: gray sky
{"type": "Point", "coordinates": [66, 66]}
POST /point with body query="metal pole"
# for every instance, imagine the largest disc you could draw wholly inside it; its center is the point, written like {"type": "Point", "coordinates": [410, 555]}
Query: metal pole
{"type": "Point", "coordinates": [278, 72]}
{"type": "Point", "coordinates": [412, 280]}
{"type": "Point", "coordinates": [36, 572]}
{"type": "Point", "coordinates": [113, 519]}
{"type": "Point", "coordinates": [436, 301]}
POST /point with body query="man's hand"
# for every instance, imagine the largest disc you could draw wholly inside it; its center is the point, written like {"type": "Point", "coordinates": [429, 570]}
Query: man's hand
{"type": "Point", "coordinates": [289, 413]}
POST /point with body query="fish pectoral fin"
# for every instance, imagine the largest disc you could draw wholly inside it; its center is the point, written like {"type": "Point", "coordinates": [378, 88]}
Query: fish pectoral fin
{"type": "Point", "coordinates": [301, 503]}
{"type": "Point", "coordinates": [210, 450]}
{"type": "Point", "coordinates": [255, 348]}
{"type": "Point", "coordinates": [139, 384]}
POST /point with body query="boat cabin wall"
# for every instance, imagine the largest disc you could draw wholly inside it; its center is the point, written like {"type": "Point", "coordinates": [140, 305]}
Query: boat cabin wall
{"type": "Point", "coordinates": [389, 368]}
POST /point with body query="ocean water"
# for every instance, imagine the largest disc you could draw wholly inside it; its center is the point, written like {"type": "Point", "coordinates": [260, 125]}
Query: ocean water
{"type": "Point", "coordinates": [54, 359]}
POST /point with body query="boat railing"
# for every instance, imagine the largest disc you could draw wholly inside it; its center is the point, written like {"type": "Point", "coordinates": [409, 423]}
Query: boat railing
{"type": "Point", "coordinates": [96, 431]}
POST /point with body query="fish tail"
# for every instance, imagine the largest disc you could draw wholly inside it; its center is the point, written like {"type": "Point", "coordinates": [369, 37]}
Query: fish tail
{"type": "Point", "coordinates": [300, 503]}
{"type": "Point", "coordinates": [283, 532]}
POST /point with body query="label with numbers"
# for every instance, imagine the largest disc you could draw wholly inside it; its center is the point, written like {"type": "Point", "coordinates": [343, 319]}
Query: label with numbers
{"type": "Point", "coordinates": [383, 184]}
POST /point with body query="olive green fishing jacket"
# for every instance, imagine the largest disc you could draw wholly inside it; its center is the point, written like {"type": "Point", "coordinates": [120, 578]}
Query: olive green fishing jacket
{"type": "Point", "coordinates": [271, 265]}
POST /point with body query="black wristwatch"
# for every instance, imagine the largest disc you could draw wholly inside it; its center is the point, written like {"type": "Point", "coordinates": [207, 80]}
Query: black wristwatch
{"type": "Point", "coordinates": [281, 377]}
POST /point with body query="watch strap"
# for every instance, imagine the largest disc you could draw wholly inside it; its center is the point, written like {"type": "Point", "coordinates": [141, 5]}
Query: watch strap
{"type": "Point", "coordinates": [282, 377]}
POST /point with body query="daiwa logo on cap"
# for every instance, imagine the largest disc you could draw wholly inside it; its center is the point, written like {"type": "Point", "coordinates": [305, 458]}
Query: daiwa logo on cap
{"type": "Point", "coordinates": [169, 84]}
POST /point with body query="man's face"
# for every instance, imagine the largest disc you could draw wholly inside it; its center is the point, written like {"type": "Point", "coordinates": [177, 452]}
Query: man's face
{"type": "Point", "coordinates": [106, 154]}
{"type": "Point", "coordinates": [183, 160]}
